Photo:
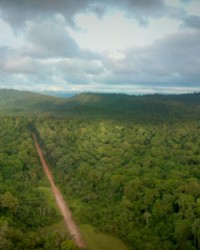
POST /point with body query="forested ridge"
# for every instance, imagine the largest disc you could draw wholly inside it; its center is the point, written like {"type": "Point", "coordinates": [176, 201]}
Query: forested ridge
{"type": "Point", "coordinates": [129, 166]}
{"type": "Point", "coordinates": [142, 109]}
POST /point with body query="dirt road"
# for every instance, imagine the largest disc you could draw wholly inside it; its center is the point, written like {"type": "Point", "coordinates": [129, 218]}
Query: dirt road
{"type": "Point", "coordinates": [64, 209]}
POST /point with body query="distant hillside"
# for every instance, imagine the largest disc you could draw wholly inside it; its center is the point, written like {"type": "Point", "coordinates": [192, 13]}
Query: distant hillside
{"type": "Point", "coordinates": [23, 102]}
{"type": "Point", "coordinates": [119, 106]}
{"type": "Point", "coordinates": [149, 107]}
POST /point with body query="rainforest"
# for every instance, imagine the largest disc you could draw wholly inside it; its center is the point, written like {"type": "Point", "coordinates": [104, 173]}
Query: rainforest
{"type": "Point", "coordinates": [127, 166]}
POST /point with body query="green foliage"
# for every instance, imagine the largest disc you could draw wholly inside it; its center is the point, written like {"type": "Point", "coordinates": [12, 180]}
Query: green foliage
{"type": "Point", "coordinates": [100, 241]}
{"type": "Point", "coordinates": [24, 209]}
{"type": "Point", "coordinates": [132, 163]}
{"type": "Point", "coordinates": [139, 182]}
{"type": "Point", "coordinates": [150, 108]}
{"type": "Point", "coordinates": [14, 102]}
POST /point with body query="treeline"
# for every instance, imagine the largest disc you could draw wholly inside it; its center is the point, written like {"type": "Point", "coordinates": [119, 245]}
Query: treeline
{"type": "Point", "coordinates": [141, 109]}
{"type": "Point", "coordinates": [24, 209]}
{"type": "Point", "coordinates": [137, 181]}
{"type": "Point", "coordinates": [20, 103]}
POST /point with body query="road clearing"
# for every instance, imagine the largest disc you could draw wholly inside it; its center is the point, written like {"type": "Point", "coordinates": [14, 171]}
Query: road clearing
{"type": "Point", "coordinates": [62, 205]}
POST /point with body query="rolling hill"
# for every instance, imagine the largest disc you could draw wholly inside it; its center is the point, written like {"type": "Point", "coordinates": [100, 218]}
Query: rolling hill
{"type": "Point", "coordinates": [120, 106]}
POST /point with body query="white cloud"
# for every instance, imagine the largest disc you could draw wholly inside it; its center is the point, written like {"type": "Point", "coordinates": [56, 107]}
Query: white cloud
{"type": "Point", "coordinates": [51, 39]}
{"type": "Point", "coordinates": [116, 32]}
{"type": "Point", "coordinates": [114, 45]}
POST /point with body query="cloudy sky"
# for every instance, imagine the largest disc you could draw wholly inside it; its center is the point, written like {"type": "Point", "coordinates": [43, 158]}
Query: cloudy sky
{"type": "Point", "coordinates": [129, 46]}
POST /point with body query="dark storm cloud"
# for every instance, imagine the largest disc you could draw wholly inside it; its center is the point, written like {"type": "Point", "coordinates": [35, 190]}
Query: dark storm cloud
{"type": "Point", "coordinates": [17, 13]}
{"type": "Point", "coordinates": [186, 1]}
{"type": "Point", "coordinates": [193, 21]}
{"type": "Point", "coordinates": [51, 39]}
{"type": "Point", "coordinates": [172, 60]}
{"type": "Point", "coordinates": [141, 7]}
{"type": "Point", "coordinates": [145, 6]}
{"type": "Point", "coordinates": [138, 9]}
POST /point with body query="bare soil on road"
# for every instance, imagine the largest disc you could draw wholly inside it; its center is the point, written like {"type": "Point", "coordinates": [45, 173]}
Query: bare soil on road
{"type": "Point", "coordinates": [64, 209]}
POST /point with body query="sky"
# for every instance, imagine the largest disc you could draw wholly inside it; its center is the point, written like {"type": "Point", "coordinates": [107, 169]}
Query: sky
{"type": "Point", "coordinates": [121, 46]}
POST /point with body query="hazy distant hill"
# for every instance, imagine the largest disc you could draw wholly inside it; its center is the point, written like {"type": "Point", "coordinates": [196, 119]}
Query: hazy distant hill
{"type": "Point", "coordinates": [24, 102]}
{"type": "Point", "coordinates": [120, 106]}
{"type": "Point", "coordinates": [149, 107]}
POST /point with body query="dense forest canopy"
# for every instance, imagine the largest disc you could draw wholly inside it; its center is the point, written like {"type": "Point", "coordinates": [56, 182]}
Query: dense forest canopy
{"type": "Point", "coordinates": [128, 165]}
{"type": "Point", "coordinates": [140, 182]}
{"type": "Point", "coordinates": [24, 209]}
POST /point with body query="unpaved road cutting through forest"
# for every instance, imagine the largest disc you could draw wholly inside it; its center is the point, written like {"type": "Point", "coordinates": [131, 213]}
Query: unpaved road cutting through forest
{"type": "Point", "coordinates": [64, 209]}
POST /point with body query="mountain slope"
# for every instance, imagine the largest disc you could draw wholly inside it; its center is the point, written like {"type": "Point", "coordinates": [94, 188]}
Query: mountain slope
{"type": "Point", "coordinates": [23, 102]}
{"type": "Point", "coordinates": [148, 107]}
{"type": "Point", "coordinates": [152, 108]}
